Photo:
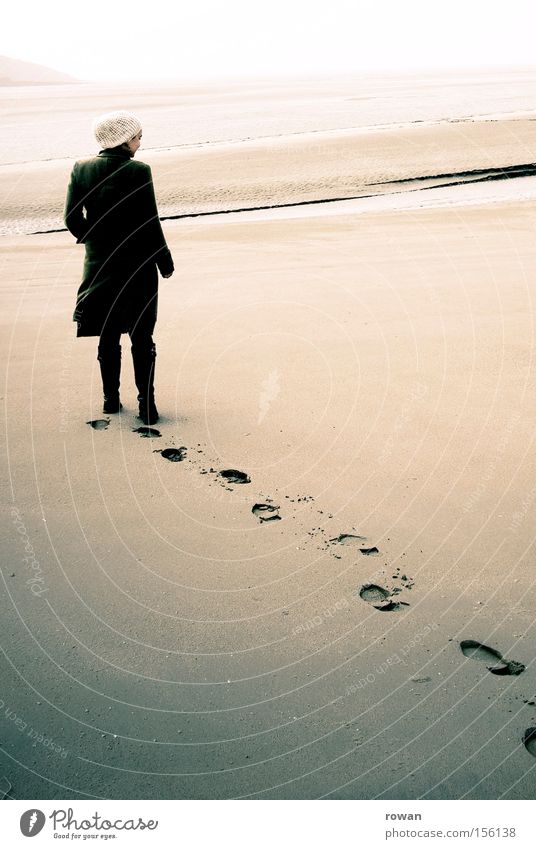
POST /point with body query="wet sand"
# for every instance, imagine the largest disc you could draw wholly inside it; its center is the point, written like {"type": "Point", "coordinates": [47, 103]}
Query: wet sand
{"type": "Point", "coordinates": [292, 170]}
{"type": "Point", "coordinates": [373, 375]}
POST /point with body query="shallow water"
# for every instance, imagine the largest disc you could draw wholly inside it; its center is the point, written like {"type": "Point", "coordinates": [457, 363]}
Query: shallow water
{"type": "Point", "coordinates": [53, 122]}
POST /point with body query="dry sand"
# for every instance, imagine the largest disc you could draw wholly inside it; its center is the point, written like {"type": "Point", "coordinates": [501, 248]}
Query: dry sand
{"type": "Point", "coordinates": [373, 373]}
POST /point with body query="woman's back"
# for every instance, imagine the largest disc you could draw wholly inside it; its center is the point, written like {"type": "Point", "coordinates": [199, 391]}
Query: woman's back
{"type": "Point", "coordinates": [117, 196]}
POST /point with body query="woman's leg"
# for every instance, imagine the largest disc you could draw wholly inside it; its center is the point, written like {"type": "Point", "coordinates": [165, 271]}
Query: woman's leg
{"type": "Point", "coordinates": [109, 357]}
{"type": "Point", "coordinates": [143, 358]}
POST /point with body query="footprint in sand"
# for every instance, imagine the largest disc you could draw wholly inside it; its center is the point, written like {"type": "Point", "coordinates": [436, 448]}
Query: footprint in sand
{"type": "Point", "coordinates": [493, 659]}
{"type": "Point", "coordinates": [174, 455]}
{"type": "Point", "coordinates": [99, 424]}
{"type": "Point", "coordinates": [380, 598]}
{"type": "Point", "coordinates": [348, 539]}
{"type": "Point", "coordinates": [234, 476]}
{"type": "Point", "coordinates": [266, 512]}
{"type": "Point", "coordinates": [529, 741]}
{"type": "Point", "coordinates": [147, 432]}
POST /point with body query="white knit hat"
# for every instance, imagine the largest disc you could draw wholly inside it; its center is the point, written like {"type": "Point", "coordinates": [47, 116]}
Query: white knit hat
{"type": "Point", "coordinates": [114, 128]}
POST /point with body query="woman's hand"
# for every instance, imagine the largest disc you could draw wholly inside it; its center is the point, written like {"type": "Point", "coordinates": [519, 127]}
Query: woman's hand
{"type": "Point", "coordinates": [164, 262]}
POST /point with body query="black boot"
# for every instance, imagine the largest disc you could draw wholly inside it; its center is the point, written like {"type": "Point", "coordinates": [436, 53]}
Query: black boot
{"type": "Point", "coordinates": [110, 366]}
{"type": "Point", "coordinates": [144, 363]}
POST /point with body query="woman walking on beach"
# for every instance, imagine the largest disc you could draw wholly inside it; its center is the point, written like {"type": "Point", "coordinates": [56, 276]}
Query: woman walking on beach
{"type": "Point", "coordinates": [111, 209]}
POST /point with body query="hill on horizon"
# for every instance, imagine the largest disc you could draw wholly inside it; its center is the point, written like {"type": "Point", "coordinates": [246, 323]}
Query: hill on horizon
{"type": "Point", "coordinates": [17, 72]}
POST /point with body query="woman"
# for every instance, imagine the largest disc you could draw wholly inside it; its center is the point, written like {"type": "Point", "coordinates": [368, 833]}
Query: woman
{"type": "Point", "coordinates": [111, 209]}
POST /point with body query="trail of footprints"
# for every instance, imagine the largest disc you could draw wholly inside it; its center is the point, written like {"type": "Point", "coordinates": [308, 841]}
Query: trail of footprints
{"type": "Point", "coordinates": [381, 598]}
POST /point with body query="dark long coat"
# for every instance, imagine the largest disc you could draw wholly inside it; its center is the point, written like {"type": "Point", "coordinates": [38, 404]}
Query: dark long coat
{"type": "Point", "coordinates": [111, 209]}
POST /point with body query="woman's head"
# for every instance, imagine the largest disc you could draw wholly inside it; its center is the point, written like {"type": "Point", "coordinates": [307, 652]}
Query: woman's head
{"type": "Point", "coordinates": [115, 129]}
{"type": "Point", "coordinates": [133, 144]}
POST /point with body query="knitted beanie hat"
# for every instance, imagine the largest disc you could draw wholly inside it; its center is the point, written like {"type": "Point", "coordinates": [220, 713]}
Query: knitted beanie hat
{"type": "Point", "coordinates": [114, 128]}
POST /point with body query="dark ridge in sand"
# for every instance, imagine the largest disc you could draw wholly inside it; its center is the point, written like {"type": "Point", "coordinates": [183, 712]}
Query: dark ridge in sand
{"type": "Point", "coordinates": [433, 181]}
{"type": "Point", "coordinates": [477, 175]}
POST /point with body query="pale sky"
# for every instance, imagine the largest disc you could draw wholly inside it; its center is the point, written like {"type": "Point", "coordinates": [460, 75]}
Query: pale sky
{"type": "Point", "coordinates": [154, 39]}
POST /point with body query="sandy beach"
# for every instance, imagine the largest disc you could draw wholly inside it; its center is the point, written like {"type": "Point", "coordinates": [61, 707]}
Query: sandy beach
{"type": "Point", "coordinates": [368, 363]}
